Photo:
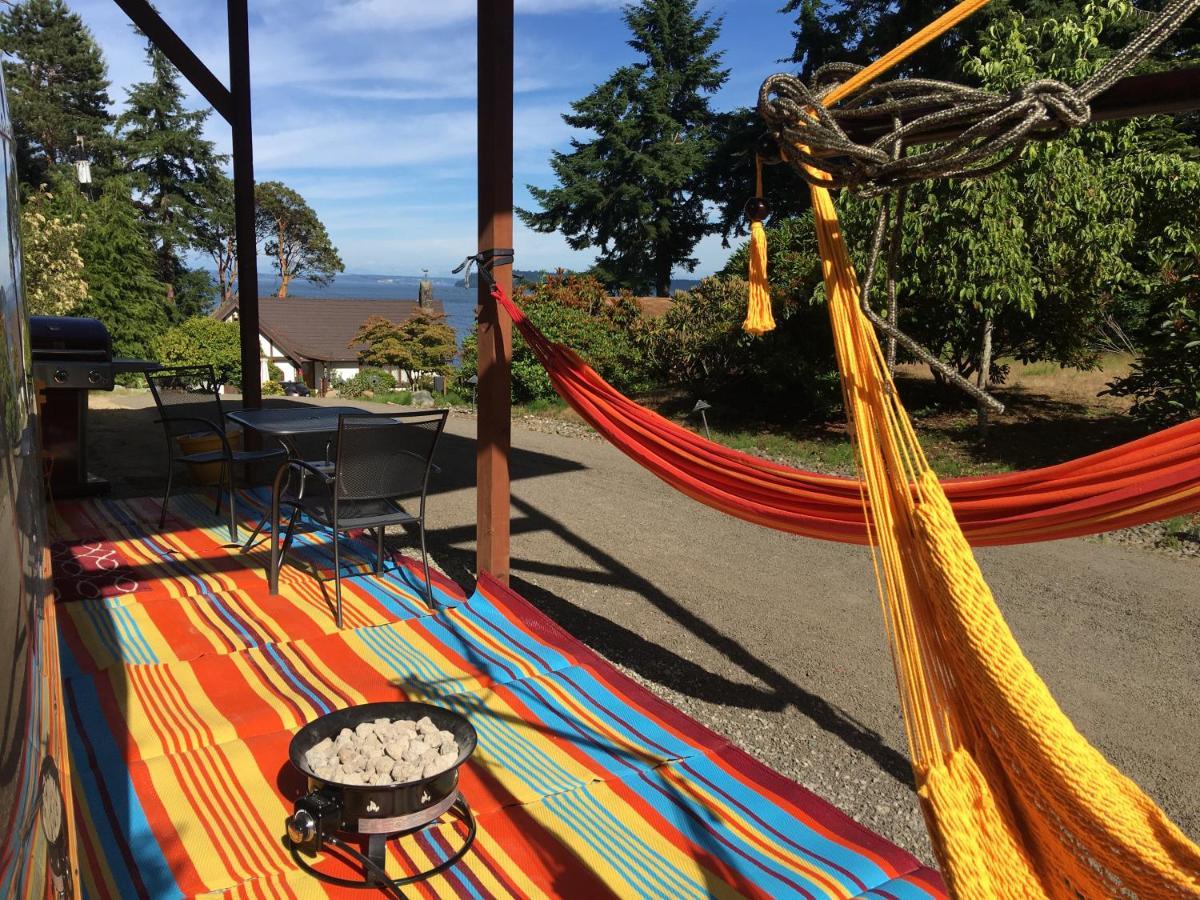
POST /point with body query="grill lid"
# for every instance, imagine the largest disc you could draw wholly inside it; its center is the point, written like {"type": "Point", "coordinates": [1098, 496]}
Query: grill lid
{"type": "Point", "coordinates": [69, 337]}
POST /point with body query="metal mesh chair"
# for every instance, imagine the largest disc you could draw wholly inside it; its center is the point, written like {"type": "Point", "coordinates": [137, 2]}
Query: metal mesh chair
{"type": "Point", "coordinates": [188, 399]}
{"type": "Point", "coordinates": [380, 460]}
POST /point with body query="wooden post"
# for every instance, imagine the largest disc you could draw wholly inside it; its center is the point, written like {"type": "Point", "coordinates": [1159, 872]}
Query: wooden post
{"type": "Point", "coordinates": [494, 35]}
{"type": "Point", "coordinates": [243, 201]}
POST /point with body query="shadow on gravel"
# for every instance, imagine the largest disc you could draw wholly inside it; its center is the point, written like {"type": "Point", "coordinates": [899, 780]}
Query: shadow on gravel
{"type": "Point", "coordinates": [1040, 431]}
{"type": "Point", "coordinates": [650, 660]}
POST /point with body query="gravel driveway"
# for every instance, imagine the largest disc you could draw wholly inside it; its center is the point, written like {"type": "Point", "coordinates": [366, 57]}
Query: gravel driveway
{"type": "Point", "coordinates": [777, 641]}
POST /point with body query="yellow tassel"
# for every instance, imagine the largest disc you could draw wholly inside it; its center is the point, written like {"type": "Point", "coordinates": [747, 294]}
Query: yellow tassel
{"type": "Point", "coordinates": [758, 313]}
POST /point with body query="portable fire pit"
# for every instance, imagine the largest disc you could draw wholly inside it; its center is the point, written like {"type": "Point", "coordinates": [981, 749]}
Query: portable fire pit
{"type": "Point", "coordinates": [376, 812]}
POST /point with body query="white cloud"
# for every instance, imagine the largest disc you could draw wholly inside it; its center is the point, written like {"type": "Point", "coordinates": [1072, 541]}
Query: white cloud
{"type": "Point", "coordinates": [367, 108]}
{"type": "Point", "coordinates": [348, 142]}
{"type": "Point", "coordinates": [371, 14]}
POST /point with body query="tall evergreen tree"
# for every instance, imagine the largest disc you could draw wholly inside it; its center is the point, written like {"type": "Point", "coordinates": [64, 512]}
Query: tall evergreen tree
{"type": "Point", "coordinates": [634, 190]}
{"type": "Point", "coordinates": [173, 167]}
{"type": "Point", "coordinates": [57, 86]}
{"type": "Point", "coordinates": [119, 266]}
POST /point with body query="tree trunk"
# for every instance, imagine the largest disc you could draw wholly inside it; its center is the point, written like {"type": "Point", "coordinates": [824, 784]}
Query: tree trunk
{"type": "Point", "coordinates": [284, 275]}
{"type": "Point", "coordinates": [233, 268]}
{"type": "Point", "coordinates": [985, 369]}
{"type": "Point", "coordinates": [662, 273]}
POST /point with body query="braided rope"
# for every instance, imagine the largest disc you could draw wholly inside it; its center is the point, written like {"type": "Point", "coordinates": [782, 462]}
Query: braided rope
{"type": "Point", "coordinates": [990, 128]}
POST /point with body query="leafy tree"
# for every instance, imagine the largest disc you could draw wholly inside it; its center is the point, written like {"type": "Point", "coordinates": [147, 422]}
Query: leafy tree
{"type": "Point", "coordinates": [57, 86]}
{"type": "Point", "coordinates": [202, 341]}
{"type": "Point", "coordinates": [123, 290]}
{"type": "Point", "coordinates": [860, 32]}
{"type": "Point", "coordinates": [54, 270]}
{"type": "Point", "coordinates": [213, 233]}
{"type": "Point", "coordinates": [424, 344]}
{"type": "Point", "coordinates": [294, 237]}
{"type": "Point", "coordinates": [173, 166]}
{"type": "Point", "coordinates": [634, 191]}
{"type": "Point", "coordinates": [1033, 260]}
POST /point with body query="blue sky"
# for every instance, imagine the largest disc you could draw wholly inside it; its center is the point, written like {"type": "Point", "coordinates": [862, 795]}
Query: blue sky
{"type": "Point", "coordinates": [367, 107]}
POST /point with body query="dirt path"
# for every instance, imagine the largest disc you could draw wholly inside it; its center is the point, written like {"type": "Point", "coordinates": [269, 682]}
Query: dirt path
{"type": "Point", "coordinates": [777, 641]}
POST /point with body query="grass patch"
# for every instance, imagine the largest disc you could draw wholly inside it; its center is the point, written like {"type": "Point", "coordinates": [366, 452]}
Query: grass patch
{"type": "Point", "coordinates": [821, 453]}
{"type": "Point", "coordinates": [402, 398]}
{"type": "Point", "coordinates": [829, 451]}
{"type": "Point", "coordinates": [548, 409]}
{"type": "Point", "coordinates": [1053, 415]}
{"type": "Point", "coordinates": [1179, 530]}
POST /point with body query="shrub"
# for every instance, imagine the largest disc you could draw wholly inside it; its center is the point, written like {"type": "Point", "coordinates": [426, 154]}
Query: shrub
{"type": "Point", "coordinates": [577, 311]}
{"type": "Point", "coordinates": [368, 381]}
{"type": "Point", "coordinates": [54, 272]}
{"type": "Point", "coordinates": [699, 344]}
{"type": "Point", "coordinates": [272, 389]}
{"type": "Point", "coordinates": [203, 341]}
{"type": "Point", "coordinates": [274, 373]}
{"type": "Point", "coordinates": [1165, 381]}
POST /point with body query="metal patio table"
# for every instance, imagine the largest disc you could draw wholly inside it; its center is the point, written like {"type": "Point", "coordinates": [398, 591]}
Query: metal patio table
{"type": "Point", "coordinates": [286, 423]}
{"type": "Point", "coordinates": [291, 421]}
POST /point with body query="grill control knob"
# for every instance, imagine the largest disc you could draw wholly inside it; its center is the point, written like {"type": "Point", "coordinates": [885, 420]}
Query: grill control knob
{"type": "Point", "coordinates": [61, 376]}
{"type": "Point", "coordinates": [301, 827]}
{"type": "Point", "coordinates": [94, 377]}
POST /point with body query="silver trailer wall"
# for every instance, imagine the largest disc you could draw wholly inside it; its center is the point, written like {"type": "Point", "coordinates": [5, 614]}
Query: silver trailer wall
{"type": "Point", "coordinates": [36, 834]}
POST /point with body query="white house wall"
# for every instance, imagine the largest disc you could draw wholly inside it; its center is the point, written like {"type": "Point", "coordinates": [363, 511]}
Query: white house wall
{"type": "Point", "coordinates": [275, 355]}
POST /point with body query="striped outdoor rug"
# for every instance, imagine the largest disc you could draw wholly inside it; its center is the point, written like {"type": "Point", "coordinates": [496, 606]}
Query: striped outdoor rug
{"type": "Point", "coordinates": [185, 681]}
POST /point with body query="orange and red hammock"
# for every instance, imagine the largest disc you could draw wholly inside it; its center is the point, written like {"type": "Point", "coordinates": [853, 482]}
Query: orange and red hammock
{"type": "Point", "coordinates": [1146, 480]}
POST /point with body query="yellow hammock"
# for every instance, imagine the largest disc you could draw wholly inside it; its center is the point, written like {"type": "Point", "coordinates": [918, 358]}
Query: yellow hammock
{"type": "Point", "coordinates": [1017, 802]}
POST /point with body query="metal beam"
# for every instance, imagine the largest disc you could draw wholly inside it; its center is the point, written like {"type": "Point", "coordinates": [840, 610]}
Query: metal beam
{"type": "Point", "coordinates": [494, 36]}
{"type": "Point", "coordinates": [144, 16]}
{"type": "Point", "coordinates": [1171, 92]}
{"type": "Point", "coordinates": [243, 201]}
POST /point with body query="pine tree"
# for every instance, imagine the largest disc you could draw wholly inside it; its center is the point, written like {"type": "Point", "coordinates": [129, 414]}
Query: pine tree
{"type": "Point", "coordinates": [634, 190]}
{"type": "Point", "coordinates": [57, 86]}
{"type": "Point", "coordinates": [173, 167]}
{"type": "Point", "coordinates": [119, 266]}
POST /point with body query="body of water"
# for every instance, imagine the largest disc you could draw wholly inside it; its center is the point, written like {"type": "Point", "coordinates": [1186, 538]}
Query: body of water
{"type": "Point", "coordinates": [458, 301]}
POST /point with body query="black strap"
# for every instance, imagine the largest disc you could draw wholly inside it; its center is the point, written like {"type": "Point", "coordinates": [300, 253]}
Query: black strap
{"type": "Point", "coordinates": [484, 260]}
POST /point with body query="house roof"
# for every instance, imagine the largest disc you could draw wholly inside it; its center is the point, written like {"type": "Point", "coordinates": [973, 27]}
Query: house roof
{"type": "Point", "coordinates": [322, 328]}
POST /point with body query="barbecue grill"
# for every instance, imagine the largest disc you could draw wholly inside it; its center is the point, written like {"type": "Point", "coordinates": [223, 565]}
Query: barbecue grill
{"type": "Point", "coordinates": [72, 356]}
{"type": "Point", "coordinates": [376, 813]}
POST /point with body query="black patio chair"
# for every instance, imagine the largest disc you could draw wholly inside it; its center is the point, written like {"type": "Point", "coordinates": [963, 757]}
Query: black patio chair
{"type": "Point", "coordinates": [380, 460]}
{"type": "Point", "coordinates": [189, 403]}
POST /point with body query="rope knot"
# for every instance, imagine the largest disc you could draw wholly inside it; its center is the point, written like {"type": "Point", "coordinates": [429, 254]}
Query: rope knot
{"type": "Point", "coordinates": [1060, 105]}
